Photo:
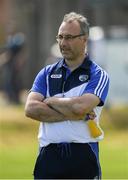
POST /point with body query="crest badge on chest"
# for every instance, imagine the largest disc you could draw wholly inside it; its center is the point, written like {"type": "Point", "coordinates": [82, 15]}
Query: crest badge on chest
{"type": "Point", "coordinates": [83, 77]}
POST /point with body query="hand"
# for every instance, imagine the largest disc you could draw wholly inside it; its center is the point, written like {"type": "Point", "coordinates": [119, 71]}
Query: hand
{"type": "Point", "coordinates": [49, 101]}
{"type": "Point", "coordinates": [90, 115]}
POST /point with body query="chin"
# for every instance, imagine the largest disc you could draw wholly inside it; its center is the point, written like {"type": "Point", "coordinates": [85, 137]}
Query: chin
{"type": "Point", "coordinates": [67, 57]}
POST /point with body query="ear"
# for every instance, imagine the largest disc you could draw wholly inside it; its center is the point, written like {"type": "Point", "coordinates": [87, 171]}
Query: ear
{"type": "Point", "coordinates": [85, 40]}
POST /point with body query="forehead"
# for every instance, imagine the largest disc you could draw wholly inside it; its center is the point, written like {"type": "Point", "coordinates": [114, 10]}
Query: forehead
{"type": "Point", "coordinates": [69, 28]}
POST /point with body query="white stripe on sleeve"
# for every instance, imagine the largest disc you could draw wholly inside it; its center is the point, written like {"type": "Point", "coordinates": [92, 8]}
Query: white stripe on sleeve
{"type": "Point", "coordinates": [101, 84]}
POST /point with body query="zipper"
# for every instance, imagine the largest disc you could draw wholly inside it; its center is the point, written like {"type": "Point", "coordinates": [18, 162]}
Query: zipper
{"type": "Point", "coordinates": [63, 85]}
{"type": "Point", "coordinates": [64, 81]}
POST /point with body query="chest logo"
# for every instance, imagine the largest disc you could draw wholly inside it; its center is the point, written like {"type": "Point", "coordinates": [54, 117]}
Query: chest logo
{"type": "Point", "coordinates": [83, 77]}
{"type": "Point", "coordinates": [56, 76]}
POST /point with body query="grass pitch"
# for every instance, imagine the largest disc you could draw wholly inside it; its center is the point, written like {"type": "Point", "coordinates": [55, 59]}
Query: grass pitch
{"type": "Point", "coordinates": [19, 148]}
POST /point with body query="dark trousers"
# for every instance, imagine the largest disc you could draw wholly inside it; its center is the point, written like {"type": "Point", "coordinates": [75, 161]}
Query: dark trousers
{"type": "Point", "coordinates": [67, 161]}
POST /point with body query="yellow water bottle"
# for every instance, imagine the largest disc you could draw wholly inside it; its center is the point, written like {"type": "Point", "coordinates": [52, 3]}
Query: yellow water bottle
{"type": "Point", "coordinates": [94, 128]}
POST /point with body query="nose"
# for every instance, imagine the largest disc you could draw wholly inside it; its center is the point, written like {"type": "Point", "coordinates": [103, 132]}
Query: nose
{"type": "Point", "coordinates": [63, 42]}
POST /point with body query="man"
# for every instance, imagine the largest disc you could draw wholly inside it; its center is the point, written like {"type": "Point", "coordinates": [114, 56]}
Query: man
{"type": "Point", "coordinates": [62, 96]}
{"type": "Point", "coordinates": [15, 57]}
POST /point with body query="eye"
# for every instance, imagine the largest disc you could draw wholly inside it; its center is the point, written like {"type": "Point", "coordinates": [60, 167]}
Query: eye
{"type": "Point", "coordinates": [68, 37]}
{"type": "Point", "coordinates": [60, 37]}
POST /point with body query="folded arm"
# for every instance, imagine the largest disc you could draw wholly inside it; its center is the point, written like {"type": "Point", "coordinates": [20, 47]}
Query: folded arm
{"type": "Point", "coordinates": [74, 108]}
{"type": "Point", "coordinates": [56, 109]}
{"type": "Point", "coordinates": [36, 109]}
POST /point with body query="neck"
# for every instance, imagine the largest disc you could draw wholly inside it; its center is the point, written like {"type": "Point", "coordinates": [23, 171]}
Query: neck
{"type": "Point", "coordinates": [74, 63]}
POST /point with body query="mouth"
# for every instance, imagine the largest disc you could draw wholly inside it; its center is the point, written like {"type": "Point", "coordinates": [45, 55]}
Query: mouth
{"type": "Point", "coordinates": [63, 50]}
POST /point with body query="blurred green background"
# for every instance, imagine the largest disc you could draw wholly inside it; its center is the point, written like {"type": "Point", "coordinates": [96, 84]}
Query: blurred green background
{"type": "Point", "coordinates": [19, 147]}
